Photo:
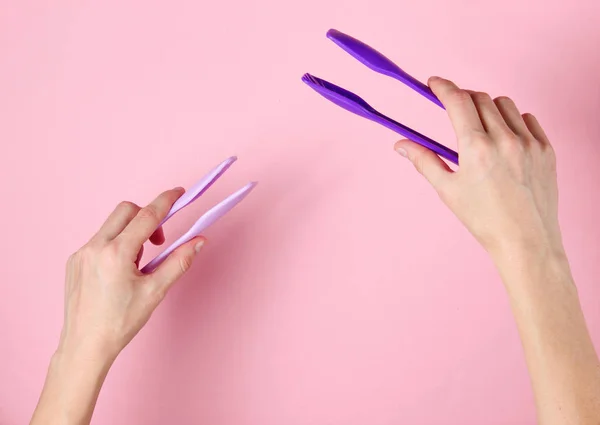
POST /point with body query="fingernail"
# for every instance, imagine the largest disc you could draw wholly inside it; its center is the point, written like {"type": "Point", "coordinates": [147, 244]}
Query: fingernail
{"type": "Point", "coordinates": [179, 189]}
{"type": "Point", "coordinates": [434, 78]}
{"type": "Point", "coordinates": [402, 152]}
{"type": "Point", "coordinates": [199, 246]}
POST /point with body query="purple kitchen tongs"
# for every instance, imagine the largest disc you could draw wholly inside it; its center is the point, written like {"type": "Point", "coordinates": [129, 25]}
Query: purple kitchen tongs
{"type": "Point", "coordinates": [353, 103]}
{"type": "Point", "coordinates": [207, 218]}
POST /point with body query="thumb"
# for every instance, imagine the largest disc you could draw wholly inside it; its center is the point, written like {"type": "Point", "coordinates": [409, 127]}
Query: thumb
{"type": "Point", "coordinates": [176, 265]}
{"type": "Point", "coordinates": [427, 163]}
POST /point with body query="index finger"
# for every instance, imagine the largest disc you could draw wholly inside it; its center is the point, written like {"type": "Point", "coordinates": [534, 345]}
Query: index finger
{"type": "Point", "coordinates": [460, 107]}
{"type": "Point", "coordinates": [147, 221]}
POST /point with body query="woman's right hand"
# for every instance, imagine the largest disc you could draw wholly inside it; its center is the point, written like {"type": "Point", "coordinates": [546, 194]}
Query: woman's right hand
{"type": "Point", "coordinates": [505, 190]}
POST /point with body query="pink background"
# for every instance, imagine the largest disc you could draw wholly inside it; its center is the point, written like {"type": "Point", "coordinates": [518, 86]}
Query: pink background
{"type": "Point", "coordinates": [341, 291]}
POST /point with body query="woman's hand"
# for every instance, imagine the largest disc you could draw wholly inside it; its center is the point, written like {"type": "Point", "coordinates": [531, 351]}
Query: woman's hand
{"type": "Point", "coordinates": [505, 190]}
{"type": "Point", "coordinates": [107, 301]}
{"type": "Point", "coordinates": [505, 193]}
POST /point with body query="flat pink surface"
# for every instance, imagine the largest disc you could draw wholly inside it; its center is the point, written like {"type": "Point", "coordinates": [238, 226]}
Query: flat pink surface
{"type": "Point", "coordinates": [341, 291]}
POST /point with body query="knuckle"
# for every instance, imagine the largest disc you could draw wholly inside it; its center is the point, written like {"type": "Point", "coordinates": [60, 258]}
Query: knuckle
{"type": "Point", "coordinates": [83, 255]}
{"type": "Point", "coordinates": [481, 96]}
{"type": "Point", "coordinates": [503, 99]}
{"type": "Point", "coordinates": [513, 145]}
{"type": "Point", "coordinates": [511, 139]}
{"type": "Point", "coordinates": [479, 138]}
{"type": "Point", "coordinates": [481, 152]}
{"type": "Point", "coordinates": [528, 117]}
{"type": "Point", "coordinates": [126, 206]}
{"type": "Point", "coordinates": [185, 262]}
{"type": "Point", "coordinates": [114, 248]}
{"type": "Point", "coordinates": [148, 212]}
{"type": "Point", "coordinates": [459, 96]}
{"type": "Point", "coordinates": [112, 254]}
{"type": "Point", "coordinates": [87, 250]}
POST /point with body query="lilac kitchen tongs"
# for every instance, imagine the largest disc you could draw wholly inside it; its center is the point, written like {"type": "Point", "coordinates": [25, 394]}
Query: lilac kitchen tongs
{"type": "Point", "coordinates": [207, 218]}
{"type": "Point", "coordinates": [353, 103]}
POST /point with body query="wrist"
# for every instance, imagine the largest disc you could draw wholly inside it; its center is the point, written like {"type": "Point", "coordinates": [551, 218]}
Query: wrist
{"type": "Point", "coordinates": [520, 263]}
{"type": "Point", "coordinates": [80, 366]}
{"type": "Point", "coordinates": [76, 346]}
{"type": "Point", "coordinates": [92, 358]}
{"type": "Point", "coordinates": [522, 247]}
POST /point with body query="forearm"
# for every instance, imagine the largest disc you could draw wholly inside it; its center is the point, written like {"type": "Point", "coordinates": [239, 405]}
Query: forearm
{"type": "Point", "coordinates": [71, 389]}
{"type": "Point", "coordinates": [560, 355]}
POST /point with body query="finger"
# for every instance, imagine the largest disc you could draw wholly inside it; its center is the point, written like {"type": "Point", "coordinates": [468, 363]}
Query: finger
{"type": "Point", "coordinates": [139, 257]}
{"type": "Point", "coordinates": [461, 109]}
{"type": "Point", "coordinates": [490, 116]}
{"type": "Point", "coordinates": [117, 220]}
{"type": "Point", "coordinates": [158, 237]}
{"type": "Point", "coordinates": [536, 129]}
{"type": "Point", "coordinates": [512, 116]}
{"type": "Point", "coordinates": [147, 220]}
{"type": "Point", "coordinates": [175, 266]}
{"type": "Point", "coordinates": [427, 163]}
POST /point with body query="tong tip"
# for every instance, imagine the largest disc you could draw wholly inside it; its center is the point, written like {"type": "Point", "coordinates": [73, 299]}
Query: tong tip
{"type": "Point", "coordinates": [332, 33]}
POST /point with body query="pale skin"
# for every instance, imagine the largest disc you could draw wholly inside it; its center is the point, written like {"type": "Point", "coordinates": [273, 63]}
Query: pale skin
{"type": "Point", "coordinates": [505, 193]}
